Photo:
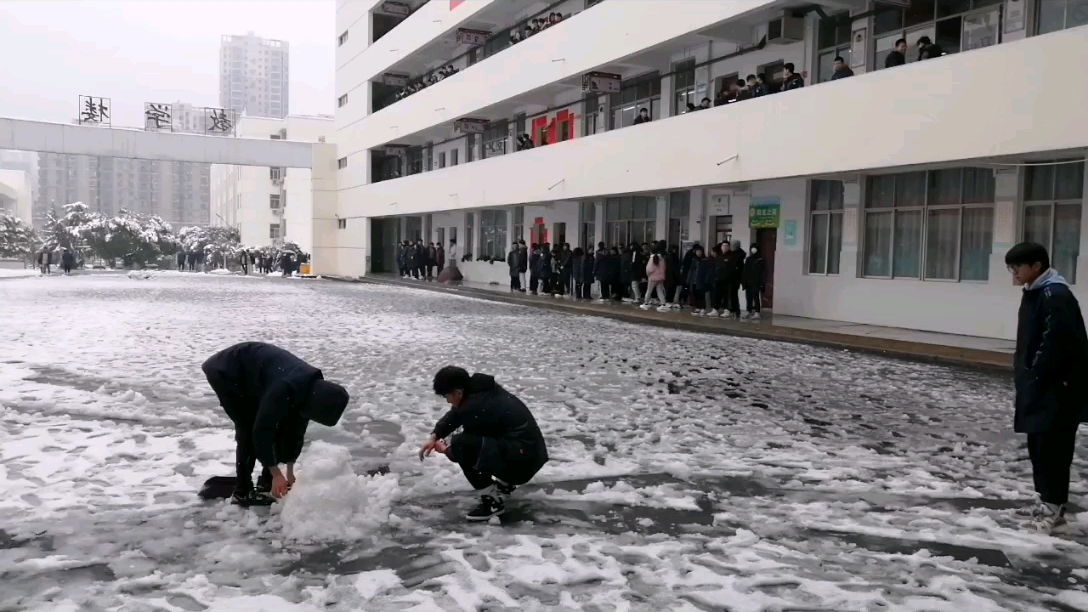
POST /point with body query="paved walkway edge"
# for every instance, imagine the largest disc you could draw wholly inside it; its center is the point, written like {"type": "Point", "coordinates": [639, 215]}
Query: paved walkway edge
{"type": "Point", "coordinates": [915, 351]}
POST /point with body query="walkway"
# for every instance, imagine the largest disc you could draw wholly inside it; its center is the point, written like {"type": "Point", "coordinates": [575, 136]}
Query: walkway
{"type": "Point", "coordinates": [911, 344]}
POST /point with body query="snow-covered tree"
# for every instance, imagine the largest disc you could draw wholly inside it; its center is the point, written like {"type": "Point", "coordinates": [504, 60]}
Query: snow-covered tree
{"type": "Point", "coordinates": [17, 239]}
{"type": "Point", "coordinates": [218, 244]}
{"type": "Point", "coordinates": [65, 231]}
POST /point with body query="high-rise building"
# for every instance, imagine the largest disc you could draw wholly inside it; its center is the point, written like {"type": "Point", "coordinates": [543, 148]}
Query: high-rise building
{"type": "Point", "coordinates": [253, 75]}
{"type": "Point", "coordinates": [871, 151]}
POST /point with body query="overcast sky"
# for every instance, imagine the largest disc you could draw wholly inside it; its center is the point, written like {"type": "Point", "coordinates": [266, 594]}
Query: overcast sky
{"type": "Point", "coordinates": [150, 51]}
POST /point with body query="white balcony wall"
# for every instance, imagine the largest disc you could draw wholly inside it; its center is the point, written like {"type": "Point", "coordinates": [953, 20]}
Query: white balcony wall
{"type": "Point", "coordinates": [353, 17]}
{"type": "Point", "coordinates": [585, 42]}
{"type": "Point", "coordinates": [949, 109]}
{"type": "Point", "coordinates": [355, 70]}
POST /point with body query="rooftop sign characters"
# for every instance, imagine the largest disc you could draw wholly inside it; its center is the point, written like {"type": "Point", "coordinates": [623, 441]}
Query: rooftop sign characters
{"type": "Point", "coordinates": [94, 111]}
{"type": "Point", "coordinates": [219, 121]}
{"type": "Point", "coordinates": [158, 117]}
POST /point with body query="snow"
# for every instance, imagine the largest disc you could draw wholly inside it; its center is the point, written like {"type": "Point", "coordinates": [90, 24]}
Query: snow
{"type": "Point", "coordinates": [332, 502]}
{"type": "Point", "coordinates": [687, 472]}
{"type": "Point", "coordinates": [18, 272]}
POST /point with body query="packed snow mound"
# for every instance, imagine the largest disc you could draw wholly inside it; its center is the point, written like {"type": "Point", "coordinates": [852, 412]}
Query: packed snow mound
{"type": "Point", "coordinates": [220, 272]}
{"type": "Point", "coordinates": [329, 501]}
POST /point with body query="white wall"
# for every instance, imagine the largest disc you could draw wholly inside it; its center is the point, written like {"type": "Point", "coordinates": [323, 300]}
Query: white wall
{"type": "Point", "coordinates": [949, 109]}
{"type": "Point", "coordinates": [585, 42]}
{"type": "Point", "coordinates": [15, 184]}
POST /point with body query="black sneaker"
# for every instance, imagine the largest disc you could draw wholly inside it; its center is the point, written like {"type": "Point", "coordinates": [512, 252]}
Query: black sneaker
{"type": "Point", "coordinates": [488, 507]}
{"type": "Point", "coordinates": [263, 486]}
{"type": "Point", "coordinates": [504, 489]}
{"type": "Point", "coordinates": [251, 498]}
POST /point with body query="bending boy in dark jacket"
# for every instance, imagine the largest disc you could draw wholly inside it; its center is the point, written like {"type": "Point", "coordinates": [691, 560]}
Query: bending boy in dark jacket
{"type": "Point", "coordinates": [501, 445]}
{"type": "Point", "coordinates": [1050, 366]}
{"type": "Point", "coordinates": [271, 396]}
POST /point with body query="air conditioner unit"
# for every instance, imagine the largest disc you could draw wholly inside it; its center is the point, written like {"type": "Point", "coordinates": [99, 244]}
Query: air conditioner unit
{"type": "Point", "coordinates": [785, 30]}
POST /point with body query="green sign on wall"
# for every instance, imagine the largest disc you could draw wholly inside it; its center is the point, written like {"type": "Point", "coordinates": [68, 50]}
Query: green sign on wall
{"type": "Point", "coordinates": [764, 213]}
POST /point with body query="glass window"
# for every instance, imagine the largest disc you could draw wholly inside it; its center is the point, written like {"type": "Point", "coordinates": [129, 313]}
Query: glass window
{"type": "Point", "coordinates": [1057, 15]}
{"type": "Point", "coordinates": [469, 234]}
{"type": "Point", "coordinates": [1052, 211]}
{"type": "Point", "coordinates": [825, 227]}
{"type": "Point", "coordinates": [493, 234]}
{"type": "Point", "coordinates": [942, 227]}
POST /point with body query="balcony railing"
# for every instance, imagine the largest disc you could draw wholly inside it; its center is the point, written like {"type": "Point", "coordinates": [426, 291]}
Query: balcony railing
{"type": "Point", "coordinates": [501, 40]}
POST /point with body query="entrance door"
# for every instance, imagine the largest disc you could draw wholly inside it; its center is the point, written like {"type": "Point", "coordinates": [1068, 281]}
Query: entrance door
{"type": "Point", "coordinates": [383, 245]}
{"type": "Point", "coordinates": [766, 239]}
{"type": "Point", "coordinates": [721, 230]}
{"type": "Point", "coordinates": [441, 236]}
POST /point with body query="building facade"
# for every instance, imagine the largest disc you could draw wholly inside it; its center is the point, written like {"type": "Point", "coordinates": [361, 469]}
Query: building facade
{"type": "Point", "coordinates": [254, 75]}
{"type": "Point", "coordinates": [269, 205]}
{"type": "Point", "coordinates": [886, 194]}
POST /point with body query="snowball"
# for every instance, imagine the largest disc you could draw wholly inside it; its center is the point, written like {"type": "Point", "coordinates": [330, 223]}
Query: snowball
{"type": "Point", "coordinates": [331, 502]}
{"type": "Point", "coordinates": [373, 583]}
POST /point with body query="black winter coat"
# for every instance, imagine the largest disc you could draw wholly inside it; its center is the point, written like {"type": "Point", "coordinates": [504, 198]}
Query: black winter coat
{"type": "Point", "coordinates": [795, 81]}
{"type": "Point", "coordinates": [534, 263]}
{"type": "Point", "coordinates": [512, 263]}
{"type": "Point", "coordinates": [523, 260]}
{"type": "Point", "coordinates": [1051, 359]}
{"type": "Point", "coordinates": [264, 390]}
{"type": "Point", "coordinates": [627, 267]}
{"type": "Point", "coordinates": [733, 264]}
{"type": "Point", "coordinates": [567, 269]}
{"type": "Point", "coordinates": [545, 264]}
{"type": "Point", "coordinates": [710, 270]}
{"type": "Point", "coordinates": [638, 265]}
{"type": "Point", "coordinates": [685, 266]}
{"type": "Point", "coordinates": [588, 262]}
{"type": "Point", "coordinates": [490, 411]}
{"type": "Point", "coordinates": [755, 271]}
{"type": "Point", "coordinates": [578, 271]}
{"type": "Point", "coordinates": [672, 268]}
{"type": "Point", "coordinates": [894, 59]}
{"type": "Point", "coordinates": [440, 257]}
{"type": "Point", "coordinates": [600, 266]}
{"type": "Point", "coordinates": [696, 269]}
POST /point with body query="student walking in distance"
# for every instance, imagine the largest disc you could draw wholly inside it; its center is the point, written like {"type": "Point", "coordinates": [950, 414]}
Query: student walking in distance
{"type": "Point", "coordinates": [1051, 375]}
{"type": "Point", "coordinates": [271, 395]}
{"type": "Point", "coordinates": [501, 445]}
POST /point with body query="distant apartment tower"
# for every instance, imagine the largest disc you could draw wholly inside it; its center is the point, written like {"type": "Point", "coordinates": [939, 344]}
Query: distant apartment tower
{"type": "Point", "coordinates": [253, 75]}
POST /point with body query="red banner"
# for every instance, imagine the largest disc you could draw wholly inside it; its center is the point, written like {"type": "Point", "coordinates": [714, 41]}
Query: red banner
{"type": "Point", "coordinates": [456, 3]}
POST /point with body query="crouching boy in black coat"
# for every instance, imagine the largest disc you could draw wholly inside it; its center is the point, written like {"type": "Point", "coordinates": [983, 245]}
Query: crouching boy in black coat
{"type": "Point", "coordinates": [501, 445]}
{"type": "Point", "coordinates": [271, 396]}
{"type": "Point", "coordinates": [1051, 374]}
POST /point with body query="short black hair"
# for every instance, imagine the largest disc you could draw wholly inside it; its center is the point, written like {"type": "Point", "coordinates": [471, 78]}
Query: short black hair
{"type": "Point", "coordinates": [1027, 253]}
{"type": "Point", "coordinates": [788, 66]}
{"type": "Point", "coordinates": [450, 379]}
{"type": "Point", "coordinates": [751, 77]}
{"type": "Point", "coordinates": [924, 40]}
{"type": "Point", "coordinates": [901, 41]}
{"type": "Point", "coordinates": [838, 58]}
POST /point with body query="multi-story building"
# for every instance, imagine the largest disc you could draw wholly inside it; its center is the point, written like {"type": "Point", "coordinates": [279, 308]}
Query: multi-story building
{"type": "Point", "coordinates": [269, 205]}
{"type": "Point", "coordinates": [254, 75]}
{"type": "Point", "coordinates": [18, 181]}
{"type": "Point", "coordinates": [888, 197]}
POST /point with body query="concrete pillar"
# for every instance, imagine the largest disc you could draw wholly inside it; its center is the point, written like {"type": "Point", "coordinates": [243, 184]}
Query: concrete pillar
{"type": "Point", "coordinates": [661, 222]}
{"type": "Point", "coordinates": [326, 241]}
{"type": "Point", "coordinates": [598, 223]}
{"type": "Point", "coordinates": [850, 265]}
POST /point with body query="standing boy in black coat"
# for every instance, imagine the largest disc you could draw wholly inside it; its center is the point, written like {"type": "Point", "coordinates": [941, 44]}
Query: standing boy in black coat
{"type": "Point", "coordinates": [271, 396]}
{"type": "Point", "coordinates": [501, 445]}
{"type": "Point", "coordinates": [754, 278]}
{"type": "Point", "coordinates": [534, 269]}
{"type": "Point", "coordinates": [1051, 374]}
{"type": "Point", "coordinates": [515, 270]}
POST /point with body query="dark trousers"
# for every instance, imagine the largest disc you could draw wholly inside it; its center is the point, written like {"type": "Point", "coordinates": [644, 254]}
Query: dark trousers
{"type": "Point", "coordinates": [245, 268]}
{"type": "Point", "coordinates": [534, 280]}
{"type": "Point", "coordinates": [181, 266]}
{"type": "Point", "coordinates": [732, 295]}
{"type": "Point", "coordinates": [1051, 455]}
{"type": "Point", "coordinates": [754, 298]}
{"type": "Point", "coordinates": [515, 282]}
{"type": "Point", "coordinates": [245, 454]}
{"type": "Point", "coordinates": [430, 271]}
{"type": "Point", "coordinates": [583, 291]}
{"type": "Point", "coordinates": [415, 272]}
{"type": "Point", "coordinates": [67, 269]}
{"type": "Point", "coordinates": [482, 462]}
{"type": "Point", "coordinates": [546, 284]}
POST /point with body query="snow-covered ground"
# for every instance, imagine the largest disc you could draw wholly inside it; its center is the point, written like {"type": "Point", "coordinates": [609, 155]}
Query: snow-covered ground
{"type": "Point", "coordinates": [688, 472]}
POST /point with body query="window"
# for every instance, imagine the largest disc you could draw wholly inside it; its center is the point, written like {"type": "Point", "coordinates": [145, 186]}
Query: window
{"type": "Point", "coordinates": [453, 156]}
{"type": "Point", "coordinates": [588, 216]}
{"type": "Point", "coordinates": [1057, 15]}
{"type": "Point", "coordinates": [954, 25]}
{"type": "Point", "coordinates": [428, 157]}
{"type": "Point", "coordinates": [825, 227]}
{"type": "Point", "coordinates": [470, 148]}
{"type": "Point", "coordinates": [935, 225]}
{"type": "Point", "coordinates": [519, 223]}
{"type": "Point", "coordinates": [495, 138]}
{"type": "Point", "coordinates": [342, 101]}
{"type": "Point", "coordinates": [341, 224]}
{"type": "Point", "coordinates": [342, 163]}
{"type": "Point", "coordinates": [642, 92]}
{"type": "Point", "coordinates": [493, 234]}
{"type": "Point", "coordinates": [469, 234]}
{"type": "Point", "coordinates": [683, 86]}
{"type": "Point", "coordinates": [276, 174]}
{"type": "Point", "coordinates": [414, 159]}
{"type": "Point", "coordinates": [274, 201]}
{"type": "Point", "coordinates": [1053, 196]}
{"type": "Point", "coordinates": [442, 159]}
{"type": "Point", "coordinates": [834, 40]}
{"type": "Point", "coordinates": [343, 38]}
{"type": "Point", "coordinates": [274, 231]}
{"type": "Point", "coordinates": [630, 219]}
{"type": "Point", "coordinates": [679, 217]}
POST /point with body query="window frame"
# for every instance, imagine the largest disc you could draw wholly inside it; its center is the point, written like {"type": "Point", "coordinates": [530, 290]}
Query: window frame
{"type": "Point", "coordinates": [1052, 203]}
{"type": "Point", "coordinates": [342, 101]}
{"type": "Point", "coordinates": [828, 214]}
{"type": "Point", "coordinates": [342, 163]}
{"type": "Point", "coordinates": [924, 209]}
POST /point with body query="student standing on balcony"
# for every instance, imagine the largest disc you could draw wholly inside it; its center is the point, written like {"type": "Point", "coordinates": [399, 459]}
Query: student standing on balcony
{"type": "Point", "coordinates": [841, 70]}
{"type": "Point", "coordinates": [643, 116]}
{"type": "Point", "coordinates": [928, 50]}
{"type": "Point", "coordinates": [791, 80]}
{"type": "Point", "coordinates": [898, 55]}
{"type": "Point", "coordinates": [1050, 362]}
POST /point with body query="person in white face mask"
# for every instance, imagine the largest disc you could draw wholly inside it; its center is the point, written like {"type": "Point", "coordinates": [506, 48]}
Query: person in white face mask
{"type": "Point", "coordinates": [753, 279]}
